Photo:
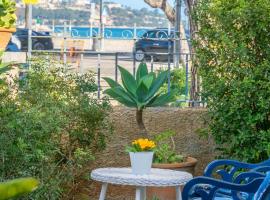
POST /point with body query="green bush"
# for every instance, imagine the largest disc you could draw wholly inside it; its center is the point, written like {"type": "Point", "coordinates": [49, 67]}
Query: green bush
{"type": "Point", "coordinates": [51, 128]}
{"type": "Point", "coordinates": [178, 84]}
{"type": "Point", "coordinates": [165, 150]}
{"type": "Point", "coordinates": [233, 57]}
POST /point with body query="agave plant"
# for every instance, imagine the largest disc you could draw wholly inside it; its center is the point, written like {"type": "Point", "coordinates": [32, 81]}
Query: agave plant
{"type": "Point", "coordinates": [17, 188]}
{"type": "Point", "coordinates": [140, 91]}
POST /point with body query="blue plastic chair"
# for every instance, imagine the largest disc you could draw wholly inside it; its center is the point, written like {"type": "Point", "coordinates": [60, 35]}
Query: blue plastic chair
{"type": "Point", "coordinates": [227, 169]}
{"type": "Point", "coordinates": [257, 189]}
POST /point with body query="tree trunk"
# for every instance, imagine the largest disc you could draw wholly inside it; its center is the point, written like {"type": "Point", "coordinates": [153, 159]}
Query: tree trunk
{"type": "Point", "coordinates": [26, 19]}
{"type": "Point", "coordinates": [195, 80]}
{"type": "Point", "coordinates": [169, 11]}
{"type": "Point", "coordinates": [139, 119]}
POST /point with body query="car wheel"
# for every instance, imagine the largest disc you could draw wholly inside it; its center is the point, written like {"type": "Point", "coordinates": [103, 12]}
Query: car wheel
{"type": "Point", "coordinates": [139, 55]}
{"type": "Point", "coordinates": [39, 46]}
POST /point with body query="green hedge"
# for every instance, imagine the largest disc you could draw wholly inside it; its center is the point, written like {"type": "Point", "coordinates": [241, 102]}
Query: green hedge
{"type": "Point", "coordinates": [51, 128]}
{"type": "Point", "coordinates": [233, 57]}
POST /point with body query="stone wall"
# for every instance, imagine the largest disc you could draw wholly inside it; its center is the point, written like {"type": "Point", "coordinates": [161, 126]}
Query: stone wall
{"type": "Point", "coordinates": [185, 122]}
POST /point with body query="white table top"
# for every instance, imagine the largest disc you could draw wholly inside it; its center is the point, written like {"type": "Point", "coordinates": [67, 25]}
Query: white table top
{"type": "Point", "coordinates": [157, 177]}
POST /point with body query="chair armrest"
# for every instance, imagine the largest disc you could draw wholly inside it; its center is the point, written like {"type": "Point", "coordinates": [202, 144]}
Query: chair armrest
{"type": "Point", "coordinates": [226, 175]}
{"type": "Point", "coordinates": [247, 177]}
{"type": "Point", "coordinates": [261, 169]}
{"type": "Point", "coordinates": [215, 185]}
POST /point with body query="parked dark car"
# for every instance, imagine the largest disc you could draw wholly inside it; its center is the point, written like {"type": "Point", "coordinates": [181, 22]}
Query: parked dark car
{"type": "Point", "coordinates": [39, 40]}
{"type": "Point", "coordinates": [153, 41]}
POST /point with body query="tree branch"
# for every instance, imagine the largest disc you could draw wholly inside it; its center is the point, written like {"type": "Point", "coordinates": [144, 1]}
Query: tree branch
{"type": "Point", "coordinates": [164, 6]}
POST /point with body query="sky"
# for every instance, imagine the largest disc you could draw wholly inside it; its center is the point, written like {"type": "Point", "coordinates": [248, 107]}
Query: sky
{"type": "Point", "coordinates": [134, 3]}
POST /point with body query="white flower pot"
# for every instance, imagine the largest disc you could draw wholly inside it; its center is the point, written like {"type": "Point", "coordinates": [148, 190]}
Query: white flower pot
{"type": "Point", "coordinates": [141, 162]}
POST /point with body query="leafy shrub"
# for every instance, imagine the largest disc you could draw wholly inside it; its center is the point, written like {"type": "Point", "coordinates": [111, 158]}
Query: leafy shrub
{"type": "Point", "coordinates": [51, 128]}
{"type": "Point", "coordinates": [165, 150]}
{"type": "Point", "coordinates": [233, 57]}
{"type": "Point", "coordinates": [178, 84]}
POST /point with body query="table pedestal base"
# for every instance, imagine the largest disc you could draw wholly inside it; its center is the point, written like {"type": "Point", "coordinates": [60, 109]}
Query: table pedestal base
{"type": "Point", "coordinates": [140, 193]}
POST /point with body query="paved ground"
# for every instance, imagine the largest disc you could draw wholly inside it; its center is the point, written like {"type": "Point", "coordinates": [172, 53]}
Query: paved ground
{"type": "Point", "coordinates": [91, 62]}
{"type": "Point", "coordinates": [107, 65]}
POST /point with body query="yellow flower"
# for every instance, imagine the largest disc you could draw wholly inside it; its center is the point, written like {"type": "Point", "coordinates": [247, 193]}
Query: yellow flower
{"type": "Point", "coordinates": [30, 1]}
{"type": "Point", "coordinates": [144, 144]}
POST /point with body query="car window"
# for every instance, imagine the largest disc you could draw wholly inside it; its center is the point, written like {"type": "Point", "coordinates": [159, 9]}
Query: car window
{"type": "Point", "coordinates": [162, 35]}
{"type": "Point", "coordinates": [157, 34]}
{"type": "Point", "coordinates": [21, 32]}
{"type": "Point", "coordinates": [34, 33]}
{"type": "Point", "coordinates": [150, 34]}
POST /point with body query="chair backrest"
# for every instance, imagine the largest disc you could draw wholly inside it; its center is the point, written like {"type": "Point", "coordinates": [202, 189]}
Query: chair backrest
{"type": "Point", "coordinates": [263, 192]}
{"type": "Point", "coordinates": [266, 162]}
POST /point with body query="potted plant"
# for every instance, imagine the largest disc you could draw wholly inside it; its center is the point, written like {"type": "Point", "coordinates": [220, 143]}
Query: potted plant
{"type": "Point", "coordinates": [140, 91]}
{"type": "Point", "coordinates": [166, 157]}
{"type": "Point", "coordinates": [141, 156]}
{"type": "Point", "coordinates": [7, 21]}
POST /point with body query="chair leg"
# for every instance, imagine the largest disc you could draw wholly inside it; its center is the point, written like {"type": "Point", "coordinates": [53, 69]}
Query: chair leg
{"type": "Point", "coordinates": [103, 191]}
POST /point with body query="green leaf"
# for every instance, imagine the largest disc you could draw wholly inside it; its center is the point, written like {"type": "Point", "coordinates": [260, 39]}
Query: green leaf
{"type": "Point", "coordinates": [17, 187]}
{"type": "Point", "coordinates": [162, 100]}
{"type": "Point", "coordinates": [141, 72]}
{"type": "Point", "coordinates": [111, 82]}
{"type": "Point", "coordinates": [121, 96]}
{"type": "Point", "coordinates": [157, 83]}
{"type": "Point", "coordinates": [128, 81]}
{"type": "Point", "coordinates": [148, 80]}
{"type": "Point", "coordinates": [4, 68]}
{"type": "Point", "coordinates": [142, 92]}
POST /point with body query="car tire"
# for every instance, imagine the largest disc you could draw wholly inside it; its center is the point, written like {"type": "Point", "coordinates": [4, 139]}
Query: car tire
{"type": "Point", "coordinates": [139, 55]}
{"type": "Point", "coordinates": [38, 46]}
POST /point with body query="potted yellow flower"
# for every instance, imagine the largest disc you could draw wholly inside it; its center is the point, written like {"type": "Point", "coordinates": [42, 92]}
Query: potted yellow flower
{"type": "Point", "coordinates": [7, 21]}
{"type": "Point", "coordinates": [141, 154]}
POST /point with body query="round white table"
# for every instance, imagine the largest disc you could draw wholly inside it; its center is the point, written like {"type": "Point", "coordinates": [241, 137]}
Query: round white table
{"type": "Point", "coordinates": [124, 176]}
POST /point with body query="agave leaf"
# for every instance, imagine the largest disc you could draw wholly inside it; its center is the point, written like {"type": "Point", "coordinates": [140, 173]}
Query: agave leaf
{"type": "Point", "coordinates": [141, 72]}
{"type": "Point", "coordinates": [154, 74]}
{"type": "Point", "coordinates": [142, 92]}
{"type": "Point", "coordinates": [157, 83]}
{"type": "Point", "coordinates": [17, 187]}
{"type": "Point", "coordinates": [111, 82]}
{"type": "Point", "coordinates": [148, 80]}
{"type": "Point", "coordinates": [128, 81]}
{"type": "Point", "coordinates": [161, 100]}
{"type": "Point", "coordinates": [121, 96]}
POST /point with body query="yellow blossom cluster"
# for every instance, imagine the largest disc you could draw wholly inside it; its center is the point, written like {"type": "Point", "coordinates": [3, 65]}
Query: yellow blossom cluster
{"type": "Point", "coordinates": [144, 144]}
{"type": "Point", "coordinates": [30, 1]}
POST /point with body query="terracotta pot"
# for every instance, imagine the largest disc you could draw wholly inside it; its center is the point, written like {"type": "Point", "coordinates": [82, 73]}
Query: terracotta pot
{"type": "Point", "coordinates": [5, 34]}
{"type": "Point", "coordinates": [169, 193]}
